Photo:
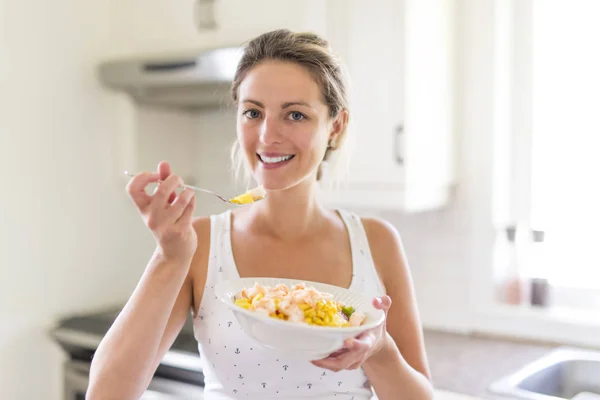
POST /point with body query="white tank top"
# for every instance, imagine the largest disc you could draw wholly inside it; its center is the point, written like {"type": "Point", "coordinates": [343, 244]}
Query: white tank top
{"type": "Point", "coordinates": [236, 367]}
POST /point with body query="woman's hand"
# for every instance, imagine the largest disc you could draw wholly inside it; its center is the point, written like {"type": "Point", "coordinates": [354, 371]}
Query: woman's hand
{"type": "Point", "coordinates": [167, 214]}
{"type": "Point", "coordinates": [359, 349]}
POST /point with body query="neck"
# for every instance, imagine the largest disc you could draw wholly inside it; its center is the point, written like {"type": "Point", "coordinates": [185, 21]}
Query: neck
{"type": "Point", "coordinates": [290, 214]}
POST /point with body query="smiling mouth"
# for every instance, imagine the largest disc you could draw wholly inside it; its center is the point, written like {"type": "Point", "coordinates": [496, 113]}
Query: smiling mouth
{"type": "Point", "coordinates": [274, 160]}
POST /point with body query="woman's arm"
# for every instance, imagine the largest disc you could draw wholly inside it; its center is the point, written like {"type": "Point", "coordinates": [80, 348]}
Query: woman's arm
{"type": "Point", "coordinates": [146, 328]}
{"type": "Point", "coordinates": [196, 279]}
{"type": "Point", "coordinates": [123, 360]}
{"type": "Point", "coordinates": [400, 369]}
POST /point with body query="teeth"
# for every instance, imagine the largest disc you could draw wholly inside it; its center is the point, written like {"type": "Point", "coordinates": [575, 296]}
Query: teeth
{"type": "Point", "coordinates": [273, 160]}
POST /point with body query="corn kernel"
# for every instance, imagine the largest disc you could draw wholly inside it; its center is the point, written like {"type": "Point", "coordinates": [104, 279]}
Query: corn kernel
{"type": "Point", "coordinates": [244, 303]}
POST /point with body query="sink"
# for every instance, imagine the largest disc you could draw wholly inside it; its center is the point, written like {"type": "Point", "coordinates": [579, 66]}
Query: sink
{"type": "Point", "coordinates": [564, 373]}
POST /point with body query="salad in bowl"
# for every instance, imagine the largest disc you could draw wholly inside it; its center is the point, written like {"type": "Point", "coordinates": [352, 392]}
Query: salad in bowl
{"type": "Point", "coordinates": [300, 319]}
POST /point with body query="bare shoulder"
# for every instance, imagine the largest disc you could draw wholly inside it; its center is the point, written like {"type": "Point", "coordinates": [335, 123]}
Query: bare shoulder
{"type": "Point", "coordinates": [202, 227]}
{"type": "Point", "coordinates": [386, 248]}
{"type": "Point", "coordinates": [403, 321]}
{"type": "Point", "coordinates": [379, 229]}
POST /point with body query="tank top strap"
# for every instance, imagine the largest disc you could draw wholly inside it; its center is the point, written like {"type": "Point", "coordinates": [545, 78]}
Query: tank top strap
{"type": "Point", "coordinates": [364, 273]}
{"type": "Point", "coordinates": [221, 259]}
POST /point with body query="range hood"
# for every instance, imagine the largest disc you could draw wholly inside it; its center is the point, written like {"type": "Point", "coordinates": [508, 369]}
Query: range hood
{"type": "Point", "coordinates": [192, 81]}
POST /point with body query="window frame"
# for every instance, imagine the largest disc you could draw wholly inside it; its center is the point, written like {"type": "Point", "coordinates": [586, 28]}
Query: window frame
{"type": "Point", "coordinates": [564, 320]}
{"type": "Point", "coordinates": [513, 94]}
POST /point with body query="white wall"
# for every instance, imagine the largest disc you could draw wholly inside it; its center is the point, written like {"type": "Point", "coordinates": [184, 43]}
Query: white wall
{"type": "Point", "coordinates": [69, 239]}
{"type": "Point", "coordinates": [197, 145]}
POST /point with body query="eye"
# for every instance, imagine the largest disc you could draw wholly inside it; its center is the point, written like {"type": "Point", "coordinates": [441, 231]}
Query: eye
{"type": "Point", "coordinates": [252, 114]}
{"type": "Point", "coordinates": [297, 116]}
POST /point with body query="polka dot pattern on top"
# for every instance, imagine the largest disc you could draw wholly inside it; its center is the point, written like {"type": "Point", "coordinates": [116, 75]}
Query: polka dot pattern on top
{"type": "Point", "coordinates": [236, 367]}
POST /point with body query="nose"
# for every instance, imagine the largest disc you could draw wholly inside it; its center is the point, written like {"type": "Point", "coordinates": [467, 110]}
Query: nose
{"type": "Point", "coordinates": [270, 131]}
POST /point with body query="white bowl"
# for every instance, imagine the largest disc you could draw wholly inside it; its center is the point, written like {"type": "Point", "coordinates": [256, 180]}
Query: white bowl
{"type": "Point", "coordinates": [294, 339]}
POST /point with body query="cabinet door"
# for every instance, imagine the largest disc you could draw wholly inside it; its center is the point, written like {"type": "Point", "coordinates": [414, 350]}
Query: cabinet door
{"type": "Point", "coordinates": [142, 26]}
{"type": "Point", "coordinates": [398, 59]}
{"type": "Point", "coordinates": [428, 88]}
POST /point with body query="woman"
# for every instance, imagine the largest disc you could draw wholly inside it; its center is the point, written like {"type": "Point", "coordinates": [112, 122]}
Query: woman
{"type": "Point", "coordinates": [291, 115]}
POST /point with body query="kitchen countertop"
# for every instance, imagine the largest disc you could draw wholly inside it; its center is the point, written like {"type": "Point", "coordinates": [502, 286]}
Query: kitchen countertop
{"type": "Point", "coordinates": [468, 364]}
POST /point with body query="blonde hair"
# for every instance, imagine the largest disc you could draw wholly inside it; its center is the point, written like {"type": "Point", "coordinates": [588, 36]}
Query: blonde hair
{"type": "Point", "coordinates": [313, 53]}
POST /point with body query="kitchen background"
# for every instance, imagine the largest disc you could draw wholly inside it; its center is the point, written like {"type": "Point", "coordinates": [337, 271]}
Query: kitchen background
{"type": "Point", "coordinates": [460, 73]}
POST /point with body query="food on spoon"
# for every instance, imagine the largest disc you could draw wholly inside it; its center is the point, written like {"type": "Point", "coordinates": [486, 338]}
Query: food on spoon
{"type": "Point", "coordinates": [299, 304]}
{"type": "Point", "coordinates": [256, 194]}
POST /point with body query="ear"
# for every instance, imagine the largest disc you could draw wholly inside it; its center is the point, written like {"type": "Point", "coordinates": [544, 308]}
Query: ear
{"type": "Point", "coordinates": [337, 127]}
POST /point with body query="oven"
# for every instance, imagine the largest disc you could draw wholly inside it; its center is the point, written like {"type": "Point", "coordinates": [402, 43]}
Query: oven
{"type": "Point", "coordinates": [76, 373]}
{"type": "Point", "coordinates": [178, 376]}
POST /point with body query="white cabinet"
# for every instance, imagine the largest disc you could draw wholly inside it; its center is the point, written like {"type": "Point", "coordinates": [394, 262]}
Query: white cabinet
{"type": "Point", "coordinates": [399, 57]}
{"type": "Point", "coordinates": [142, 26]}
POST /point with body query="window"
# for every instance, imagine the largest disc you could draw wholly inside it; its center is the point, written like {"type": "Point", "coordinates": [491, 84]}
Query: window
{"type": "Point", "coordinates": [551, 110]}
{"type": "Point", "coordinates": [566, 140]}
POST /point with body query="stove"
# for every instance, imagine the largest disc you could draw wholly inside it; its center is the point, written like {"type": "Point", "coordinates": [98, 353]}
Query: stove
{"type": "Point", "coordinates": [179, 375]}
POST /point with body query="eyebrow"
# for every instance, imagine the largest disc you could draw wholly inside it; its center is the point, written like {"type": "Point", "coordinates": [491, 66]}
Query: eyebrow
{"type": "Point", "coordinates": [283, 106]}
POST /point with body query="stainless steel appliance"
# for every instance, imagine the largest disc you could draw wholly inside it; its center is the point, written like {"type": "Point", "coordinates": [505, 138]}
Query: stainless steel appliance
{"type": "Point", "coordinates": [76, 382]}
{"type": "Point", "coordinates": [179, 375]}
{"type": "Point", "coordinates": [192, 80]}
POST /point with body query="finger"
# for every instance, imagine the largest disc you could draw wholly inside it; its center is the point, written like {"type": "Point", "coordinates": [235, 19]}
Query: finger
{"type": "Point", "coordinates": [328, 364]}
{"type": "Point", "coordinates": [362, 343]}
{"type": "Point", "coordinates": [339, 363]}
{"type": "Point", "coordinates": [356, 365]}
{"type": "Point", "coordinates": [349, 343]}
{"type": "Point", "coordinates": [341, 354]}
{"type": "Point", "coordinates": [181, 204]}
{"type": "Point", "coordinates": [188, 213]}
{"type": "Point", "coordinates": [137, 187]}
{"type": "Point", "coordinates": [172, 196]}
{"type": "Point", "coordinates": [338, 353]}
{"type": "Point", "coordinates": [382, 303]}
{"type": "Point", "coordinates": [163, 193]}
{"type": "Point", "coordinates": [164, 170]}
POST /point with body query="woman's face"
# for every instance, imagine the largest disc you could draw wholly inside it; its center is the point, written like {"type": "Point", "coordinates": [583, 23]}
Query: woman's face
{"type": "Point", "coordinates": [283, 124]}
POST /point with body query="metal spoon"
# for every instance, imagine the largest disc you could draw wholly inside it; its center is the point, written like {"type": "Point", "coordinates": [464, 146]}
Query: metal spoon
{"type": "Point", "coordinates": [197, 189]}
